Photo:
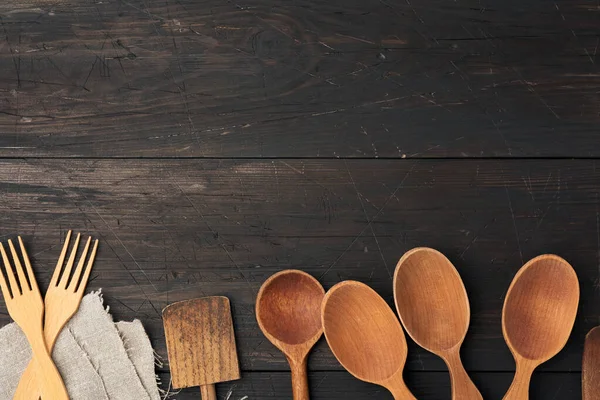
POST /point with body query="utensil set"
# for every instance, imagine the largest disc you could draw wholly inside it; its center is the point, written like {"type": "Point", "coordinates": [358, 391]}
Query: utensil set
{"type": "Point", "coordinates": [42, 320]}
{"type": "Point", "coordinates": [293, 311]}
{"type": "Point", "coordinates": [366, 337]}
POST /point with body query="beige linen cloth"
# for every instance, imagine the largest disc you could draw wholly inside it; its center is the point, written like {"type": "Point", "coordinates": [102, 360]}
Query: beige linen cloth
{"type": "Point", "coordinates": [97, 358]}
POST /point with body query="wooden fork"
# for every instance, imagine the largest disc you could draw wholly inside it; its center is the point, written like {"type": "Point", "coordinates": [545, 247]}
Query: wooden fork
{"type": "Point", "coordinates": [25, 306]}
{"type": "Point", "coordinates": [62, 301]}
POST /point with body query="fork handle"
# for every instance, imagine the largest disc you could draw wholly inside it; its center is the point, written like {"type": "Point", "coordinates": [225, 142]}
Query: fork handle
{"type": "Point", "coordinates": [50, 383]}
{"type": "Point", "coordinates": [28, 388]}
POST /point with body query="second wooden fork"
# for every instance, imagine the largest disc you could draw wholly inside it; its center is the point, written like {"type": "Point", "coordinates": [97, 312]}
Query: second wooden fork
{"type": "Point", "coordinates": [62, 301]}
{"type": "Point", "coordinates": [25, 306]}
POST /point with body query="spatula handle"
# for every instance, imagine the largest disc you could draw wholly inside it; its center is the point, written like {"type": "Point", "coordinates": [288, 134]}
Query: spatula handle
{"type": "Point", "coordinates": [299, 380]}
{"type": "Point", "coordinates": [208, 392]}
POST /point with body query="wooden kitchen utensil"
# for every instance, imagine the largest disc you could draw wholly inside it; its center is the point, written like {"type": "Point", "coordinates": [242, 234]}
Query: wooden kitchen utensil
{"type": "Point", "coordinates": [590, 372]}
{"type": "Point", "coordinates": [26, 307]}
{"type": "Point", "coordinates": [365, 336]}
{"type": "Point", "coordinates": [61, 303]}
{"type": "Point", "coordinates": [288, 311]}
{"type": "Point", "coordinates": [538, 316]}
{"type": "Point", "coordinates": [434, 308]}
{"type": "Point", "coordinates": [201, 344]}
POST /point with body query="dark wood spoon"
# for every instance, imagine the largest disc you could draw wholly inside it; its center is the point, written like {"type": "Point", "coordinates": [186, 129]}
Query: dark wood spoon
{"type": "Point", "coordinates": [288, 311]}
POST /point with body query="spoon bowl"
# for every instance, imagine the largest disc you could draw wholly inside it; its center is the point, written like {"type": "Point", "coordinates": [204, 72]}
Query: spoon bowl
{"type": "Point", "coordinates": [433, 306]}
{"type": "Point", "coordinates": [288, 310]}
{"type": "Point", "coordinates": [365, 336]}
{"type": "Point", "coordinates": [538, 316]}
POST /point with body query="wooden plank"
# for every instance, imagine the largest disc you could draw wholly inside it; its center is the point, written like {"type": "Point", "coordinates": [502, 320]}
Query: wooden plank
{"type": "Point", "coordinates": [304, 79]}
{"type": "Point", "coordinates": [177, 229]}
{"type": "Point", "coordinates": [424, 385]}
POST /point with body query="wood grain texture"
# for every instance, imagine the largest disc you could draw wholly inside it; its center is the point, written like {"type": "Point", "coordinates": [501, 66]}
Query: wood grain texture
{"type": "Point", "coordinates": [590, 370]}
{"type": "Point", "coordinates": [201, 344]}
{"type": "Point", "coordinates": [311, 78]}
{"type": "Point", "coordinates": [433, 306]}
{"type": "Point", "coordinates": [538, 316]}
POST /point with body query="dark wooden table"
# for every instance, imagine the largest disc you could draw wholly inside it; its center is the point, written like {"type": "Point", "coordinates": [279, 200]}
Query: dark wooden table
{"type": "Point", "coordinates": [209, 144]}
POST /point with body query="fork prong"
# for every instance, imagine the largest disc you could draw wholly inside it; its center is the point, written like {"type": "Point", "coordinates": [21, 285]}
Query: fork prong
{"type": "Point", "coordinates": [14, 288]}
{"type": "Point", "coordinates": [65, 275]}
{"type": "Point", "coordinates": [88, 269]}
{"type": "Point", "coordinates": [61, 260]}
{"type": "Point", "coordinates": [20, 272]}
{"type": "Point", "coordinates": [3, 285]}
{"type": "Point", "coordinates": [80, 264]}
{"type": "Point", "coordinates": [32, 281]}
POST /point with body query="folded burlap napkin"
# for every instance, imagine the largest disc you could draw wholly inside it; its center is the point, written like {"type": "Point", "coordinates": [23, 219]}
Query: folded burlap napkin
{"type": "Point", "coordinates": [97, 358]}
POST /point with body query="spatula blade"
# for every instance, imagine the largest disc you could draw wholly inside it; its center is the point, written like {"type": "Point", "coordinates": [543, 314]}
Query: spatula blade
{"type": "Point", "coordinates": [200, 342]}
{"type": "Point", "coordinates": [590, 372]}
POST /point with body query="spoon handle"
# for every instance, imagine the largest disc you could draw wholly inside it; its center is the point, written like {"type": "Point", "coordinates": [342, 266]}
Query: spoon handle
{"type": "Point", "coordinates": [463, 387]}
{"type": "Point", "coordinates": [519, 389]}
{"type": "Point", "coordinates": [299, 379]}
{"type": "Point", "coordinates": [398, 388]}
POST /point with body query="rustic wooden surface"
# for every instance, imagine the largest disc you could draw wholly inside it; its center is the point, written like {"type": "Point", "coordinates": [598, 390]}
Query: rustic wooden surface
{"type": "Point", "coordinates": [209, 144]}
{"type": "Point", "coordinates": [304, 79]}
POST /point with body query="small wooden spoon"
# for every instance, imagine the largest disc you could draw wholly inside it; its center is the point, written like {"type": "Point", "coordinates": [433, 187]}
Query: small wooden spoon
{"type": "Point", "coordinates": [434, 309]}
{"type": "Point", "coordinates": [288, 310]}
{"type": "Point", "coordinates": [365, 336]}
{"type": "Point", "coordinates": [538, 316]}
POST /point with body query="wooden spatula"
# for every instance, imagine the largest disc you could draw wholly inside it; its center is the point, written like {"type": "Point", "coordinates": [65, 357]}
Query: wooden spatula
{"type": "Point", "coordinates": [201, 344]}
{"type": "Point", "coordinates": [590, 371]}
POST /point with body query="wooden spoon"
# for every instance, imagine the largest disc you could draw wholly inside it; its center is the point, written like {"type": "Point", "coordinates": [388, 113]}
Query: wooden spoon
{"type": "Point", "coordinates": [538, 316]}
{"type": "Point", "coordinates": [365, 336]}
{"type": "Point", "coordinates": [288, 310]}
{"type": "Point", "coordinates": [434, 309]}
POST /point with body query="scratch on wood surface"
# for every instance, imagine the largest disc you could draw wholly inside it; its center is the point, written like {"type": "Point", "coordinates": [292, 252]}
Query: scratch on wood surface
{"type": "Point", "coordinates": [512, 213]}
{"type": "Point", "coordinates": [123, 245]}
{"type": "Point", "coordinates": [528, 186]}
{"type": "Point", "coordinates": [477, 235]}
{"type": "Point", "coordinates": [276, 181]}
{"type": "Point", "coordinates": [321, 381]}
{"type": "Point", "coordinates": [369, 222]}
{"type": "Point", "coordinates": [326, 45]}
{"type": "Point", "coordinates": [555, 198]}
{"type": "Point", "coordinates": [530, 86]}
{"type": "Point", "coordinates": [359, 196]}
{"type": "Point", "coordinates": [355, 38]}
{"type": "Point", "coordinates": [219, 237]}
{"type": "Point", "coordinates": [296, 170]}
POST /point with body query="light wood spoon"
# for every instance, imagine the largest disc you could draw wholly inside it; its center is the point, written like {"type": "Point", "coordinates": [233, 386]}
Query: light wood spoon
{"type": "Point", "coordinates": [538, 316]}
{"type": "Point", "coordinates": [365, 336]}
{"type": "Point", "coordinates": [288, 311]}
{"type": "Point", "coordinates": [434, 308]}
